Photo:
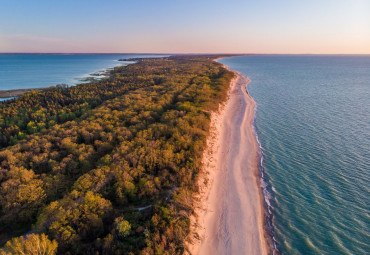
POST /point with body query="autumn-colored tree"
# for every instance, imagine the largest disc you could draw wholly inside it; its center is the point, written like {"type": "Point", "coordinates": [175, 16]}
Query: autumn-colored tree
{"type": "Point", "coordinates": [21, 194]}
{"type": "Point", "coordinates": [123, 227]}
{"type": "Point", "coordinates": [32, 244]}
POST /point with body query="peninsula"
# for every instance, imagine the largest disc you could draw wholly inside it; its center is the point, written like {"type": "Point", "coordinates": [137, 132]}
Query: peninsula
{"type": "Point", "coordinates": [147, 160]}
{"type": "Point", "coordinates": [111, 164]}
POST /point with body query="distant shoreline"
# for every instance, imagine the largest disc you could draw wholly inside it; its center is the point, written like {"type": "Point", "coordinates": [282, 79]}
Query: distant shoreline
{"type": "Point", "coordinates": [8, 94]}
{"type": "Point", "coordinates": [13, 93]}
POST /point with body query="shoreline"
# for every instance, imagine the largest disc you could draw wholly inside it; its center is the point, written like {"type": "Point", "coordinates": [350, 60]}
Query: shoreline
{"type": "Point", "coordinates": [14, 93]}
{"type": "Point", "coordinates": [230, 208]}
{"type": "Point", "coordinates": [95, 76]}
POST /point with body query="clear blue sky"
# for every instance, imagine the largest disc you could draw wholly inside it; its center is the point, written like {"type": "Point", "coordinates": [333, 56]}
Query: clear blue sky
{"type": "Point", "coordinates": [186, 26]}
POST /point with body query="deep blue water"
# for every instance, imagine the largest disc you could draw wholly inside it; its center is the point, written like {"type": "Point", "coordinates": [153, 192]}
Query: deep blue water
{"type": "Point", "coordinates": [35, 71]}
{"type": "Point", "coordinates": [313, 121]}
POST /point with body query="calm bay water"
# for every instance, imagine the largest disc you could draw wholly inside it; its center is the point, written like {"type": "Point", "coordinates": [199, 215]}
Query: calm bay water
{"type": "Point", "coordinates": [313, 121]}
{"type": "Point", "coordinates": [36, 71]}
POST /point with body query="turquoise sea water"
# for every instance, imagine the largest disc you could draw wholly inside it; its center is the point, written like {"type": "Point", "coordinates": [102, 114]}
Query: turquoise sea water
{"type": "Point", "coordinates": [313, 123]}
{"type": "Point", "coordinates": [35, 71]}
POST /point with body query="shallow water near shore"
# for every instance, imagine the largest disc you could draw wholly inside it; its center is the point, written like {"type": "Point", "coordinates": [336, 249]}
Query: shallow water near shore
{"type": "Point", "coordinates": [313, 122]}
{"type": "Point", "coordinates": [37, 71]}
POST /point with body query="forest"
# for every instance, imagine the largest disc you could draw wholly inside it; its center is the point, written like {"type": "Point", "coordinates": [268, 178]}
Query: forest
{"type": "Point", "coordinates": [108, 167]}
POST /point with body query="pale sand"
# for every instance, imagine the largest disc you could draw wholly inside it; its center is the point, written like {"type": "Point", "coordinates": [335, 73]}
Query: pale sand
{"type": "Point", "coordinates": [229, 208]}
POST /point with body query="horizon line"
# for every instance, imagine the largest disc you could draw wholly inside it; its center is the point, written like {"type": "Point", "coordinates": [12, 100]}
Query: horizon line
{"type": "Point", "coordinates": [151, 53]}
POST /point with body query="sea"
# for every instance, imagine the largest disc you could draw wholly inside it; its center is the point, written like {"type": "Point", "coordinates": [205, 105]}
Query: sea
{"type": "Point", "coordinates": [312, 122]}
{"type": "Point", "coordinates": [37, 71]}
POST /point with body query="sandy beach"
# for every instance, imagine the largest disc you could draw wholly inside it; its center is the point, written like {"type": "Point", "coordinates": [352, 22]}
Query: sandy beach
{"type": "Point", "coordinates": [229, 208]}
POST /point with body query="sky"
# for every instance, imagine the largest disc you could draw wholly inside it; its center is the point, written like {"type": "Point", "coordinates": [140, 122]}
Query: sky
{"type": "Point", "coordinates": [186, 26]}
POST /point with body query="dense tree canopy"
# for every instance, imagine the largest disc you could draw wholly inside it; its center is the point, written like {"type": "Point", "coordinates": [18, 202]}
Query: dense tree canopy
{"type": "Point", "coordinates": [110, 167]}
